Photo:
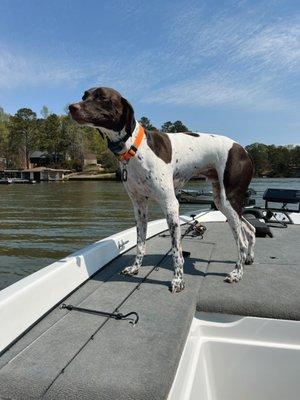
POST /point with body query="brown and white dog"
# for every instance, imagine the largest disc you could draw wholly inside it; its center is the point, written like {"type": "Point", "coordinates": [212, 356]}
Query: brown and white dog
{"type": "Point", "coordinates": [163, 162]}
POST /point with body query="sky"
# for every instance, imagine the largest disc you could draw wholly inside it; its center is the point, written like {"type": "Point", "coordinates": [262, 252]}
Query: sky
{"type": "Point", "coordinates": [226, 67]}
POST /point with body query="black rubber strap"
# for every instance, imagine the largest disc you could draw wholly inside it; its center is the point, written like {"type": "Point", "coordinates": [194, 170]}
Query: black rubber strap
{"type": "Point", "coordinates": [134, 321]}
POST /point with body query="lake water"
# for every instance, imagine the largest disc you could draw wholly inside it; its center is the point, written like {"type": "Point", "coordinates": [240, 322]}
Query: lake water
{"type": "Point", "coordinates": [44, 222]}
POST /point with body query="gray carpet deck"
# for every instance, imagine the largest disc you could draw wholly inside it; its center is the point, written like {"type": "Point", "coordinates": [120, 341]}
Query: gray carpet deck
{"type": "Point", "coordinates": [270, 287]}
{"type": "Point", "coordinates": [56, 359]}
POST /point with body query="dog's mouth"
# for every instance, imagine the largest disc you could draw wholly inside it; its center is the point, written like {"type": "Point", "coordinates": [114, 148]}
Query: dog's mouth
{"type": "Point", "coordinates": [77, 114]}
{"type": "Point", "coordinates": [78, 118]}
{"type": "Point", "coordinates": [82, 116]}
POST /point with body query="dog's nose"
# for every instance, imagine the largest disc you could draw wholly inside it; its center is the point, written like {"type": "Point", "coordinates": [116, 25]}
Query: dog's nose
{"type": "Point", "coordinates": [74, 107]}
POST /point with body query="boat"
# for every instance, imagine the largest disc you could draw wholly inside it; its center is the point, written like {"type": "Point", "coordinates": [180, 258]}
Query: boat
{"type": "Point", "coordinates": [193, 196]}
{"type": "Point", "coordinates": [16, 180]}
{"type": "Point", "coordinates": [6, 181]}
{"type": "Point", "coordinates": [28, 181]}
{"type": "Point", "coordinates": [77, 329]}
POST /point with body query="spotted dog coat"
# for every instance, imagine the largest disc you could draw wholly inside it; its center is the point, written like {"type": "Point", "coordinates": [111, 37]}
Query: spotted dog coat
{"type": "Point", "coordinates": [165, 162]}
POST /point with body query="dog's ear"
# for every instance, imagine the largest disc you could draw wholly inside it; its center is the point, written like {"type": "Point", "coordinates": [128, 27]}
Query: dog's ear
{"type": "Point", "coordinates": [128, 116]}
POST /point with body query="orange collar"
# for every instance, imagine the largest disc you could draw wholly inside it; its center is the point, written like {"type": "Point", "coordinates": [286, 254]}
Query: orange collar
{"type": "Point", "coordinates": [134, 147]}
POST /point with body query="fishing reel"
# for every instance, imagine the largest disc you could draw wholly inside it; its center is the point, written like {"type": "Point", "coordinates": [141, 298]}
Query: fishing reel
{"type": "Point", "coordinates": [195, 229]}
{"type": "Point", "coordinates": [199, 229]}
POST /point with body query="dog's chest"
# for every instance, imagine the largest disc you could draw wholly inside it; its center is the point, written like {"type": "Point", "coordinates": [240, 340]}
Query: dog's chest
{"type": "Point", "coordinates": [147, 178]}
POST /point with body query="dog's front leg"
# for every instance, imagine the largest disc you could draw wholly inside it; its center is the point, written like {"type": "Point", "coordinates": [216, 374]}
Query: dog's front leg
{"type": "Point", "coordinates": [171, 210]}
{"type": "Point", "coordinates": [141, 217]}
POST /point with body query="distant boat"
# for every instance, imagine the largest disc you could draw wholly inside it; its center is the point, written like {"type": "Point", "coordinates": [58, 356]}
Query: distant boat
{"type": "Point", "coordinates": [200, 197]}
{"type": "Point", "coordinates": [195, 196]}
{"type": "Point", "coordinates": [6, 181]}
{"type": "Point", "coordinates": [15, 180]}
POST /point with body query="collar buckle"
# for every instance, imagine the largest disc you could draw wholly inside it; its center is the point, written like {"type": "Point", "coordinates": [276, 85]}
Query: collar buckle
{"type": "Point", "coordinates": [134, 147]}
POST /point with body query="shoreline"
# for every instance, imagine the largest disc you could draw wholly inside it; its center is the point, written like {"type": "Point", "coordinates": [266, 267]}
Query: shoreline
{"type": "Point", "coordinates": [86, 177]}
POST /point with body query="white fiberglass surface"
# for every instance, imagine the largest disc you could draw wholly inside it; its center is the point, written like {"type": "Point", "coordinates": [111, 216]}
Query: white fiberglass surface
{"type": "Point", "coordinates": [239, 358]}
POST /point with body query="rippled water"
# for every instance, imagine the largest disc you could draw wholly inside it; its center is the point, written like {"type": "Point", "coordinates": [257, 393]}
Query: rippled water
{"type": "Point", "coordinates": [44, 222]}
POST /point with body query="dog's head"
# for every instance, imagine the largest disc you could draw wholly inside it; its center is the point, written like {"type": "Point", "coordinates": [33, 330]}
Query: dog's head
{"type": "Point", "coordinates": [104, 108]}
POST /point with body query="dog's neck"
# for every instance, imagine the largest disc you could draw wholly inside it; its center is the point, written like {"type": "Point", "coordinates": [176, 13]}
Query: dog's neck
{"type": "Point", "coordinates": [119, 142]}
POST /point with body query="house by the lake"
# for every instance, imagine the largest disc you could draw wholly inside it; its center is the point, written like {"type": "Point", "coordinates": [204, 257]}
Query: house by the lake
{"type": "Point", "coordinates": [35, 174]}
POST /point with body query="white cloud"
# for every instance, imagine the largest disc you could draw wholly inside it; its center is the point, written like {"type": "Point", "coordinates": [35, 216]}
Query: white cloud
{"type": "Point", "coordinates": [16, 70]}
{"type": "Point", "coordinates": [276, 47]}
{"type": "Point", "coordinates": [237, 56]}
{"type": "Point", "coordinates": [214, 91]}
{"type": "Point", "coordinates": [232, 55]}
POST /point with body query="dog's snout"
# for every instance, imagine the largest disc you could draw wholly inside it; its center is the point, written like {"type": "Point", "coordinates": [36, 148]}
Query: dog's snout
{"type": "Point", "coordinates": [74, 107]}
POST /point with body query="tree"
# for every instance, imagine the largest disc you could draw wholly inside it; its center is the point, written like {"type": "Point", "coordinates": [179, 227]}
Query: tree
{"type": "Point", "coordinates": [146, 123]}
{"type": "Point", "coordinates": [23, 134]}
{"type": "Point", "coordinates": [3, 116]}
{"type": "Point", "coordinates": [167, 126]}
{"type": "Point", "coordinates": [295, 157]}
{"type": "Point", "coordinates": [45, 112]}
{"type": "Point", "coordinates": [109, 161]}
{"type": "Point", "coordinates": [53, 140]}
{"type": "Point", "coordinates": [4, 133]}
{"type": "Point", "coordinates": [176, 126]}
{"type": "Point", "coordinates": [259, 154]}
{"type": "Point", "coordinates": [279, 160]}
{"type": "Point", "coordinates": [4, 140]}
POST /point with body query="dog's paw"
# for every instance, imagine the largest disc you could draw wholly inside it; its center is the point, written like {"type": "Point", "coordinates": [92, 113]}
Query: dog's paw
{"type": "Point", "coordinates": [177, 285]}
{"type": "Point", "coordinates": [133, 270]}
{"type": "Point", "coordinates": [249, 260]}
{"type": "Point", "coordinates": [234, 276]}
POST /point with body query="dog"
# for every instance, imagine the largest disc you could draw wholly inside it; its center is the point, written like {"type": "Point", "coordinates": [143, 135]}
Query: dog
{"type": "Point", "coordinates": [155, 164]}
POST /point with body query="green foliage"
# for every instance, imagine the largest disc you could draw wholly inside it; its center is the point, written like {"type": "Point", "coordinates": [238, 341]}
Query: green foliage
{"type": "Point", "coordinates": [146, 123]}
{"type": "Point", "coordinates": [4, 140]}
{"type": "Point", "coordinates": [275, 161]}
{"type": "Point", "coordinates": [109, 161]}
{"type": "Point", "coordinates": [23, 135]}
{"type": "Point", "coordinates": [45, 112]}
{"type": "Point", "coordinates": [3, 116]}
{"type": "Point", "coordinates": [52, 140]}
{"type": "Point", "coordinates": [172, 127]}
{"type": "Point", "coordinates": [93, 141]}
{"type": "Point", "coordinates": [259, 154]}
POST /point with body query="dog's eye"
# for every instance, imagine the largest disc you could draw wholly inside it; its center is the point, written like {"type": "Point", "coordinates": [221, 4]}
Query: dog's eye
{"type": "Point", "coordinates": [98, 96]}
{"type": "Point", "coordinates": [85, 95]}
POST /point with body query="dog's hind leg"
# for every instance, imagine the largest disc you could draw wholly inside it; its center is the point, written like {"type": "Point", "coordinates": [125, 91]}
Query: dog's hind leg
{"type": "Point", "coordinates": [230, 191]}
{"type": "Point", "coordinates": [140, 207]}
{"type": "Point", "coordinates": [170, 207]}
{"type": "Point", "coordinates": [235, 224]}
{"type": "Point", "coordinates": [250, 234]}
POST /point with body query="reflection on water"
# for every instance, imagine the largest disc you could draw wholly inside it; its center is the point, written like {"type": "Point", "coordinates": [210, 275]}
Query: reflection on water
{"type": "Point", "coordinates": [44, 222]}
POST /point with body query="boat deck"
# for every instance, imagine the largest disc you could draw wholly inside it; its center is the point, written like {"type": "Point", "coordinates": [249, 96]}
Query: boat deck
{"type": "Point", "coordinates": [75, 355]}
